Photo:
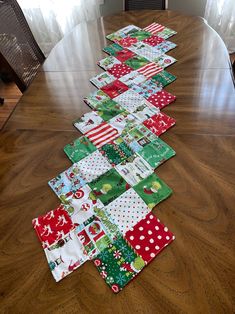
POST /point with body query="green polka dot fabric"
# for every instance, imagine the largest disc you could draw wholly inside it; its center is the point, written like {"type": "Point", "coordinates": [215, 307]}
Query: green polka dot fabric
{"type": "Point", "coordinates": [108, 194]}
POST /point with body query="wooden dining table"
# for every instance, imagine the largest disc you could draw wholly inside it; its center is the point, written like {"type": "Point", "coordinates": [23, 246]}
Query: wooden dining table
{"type": "Point", "coordinates": [196, 273]}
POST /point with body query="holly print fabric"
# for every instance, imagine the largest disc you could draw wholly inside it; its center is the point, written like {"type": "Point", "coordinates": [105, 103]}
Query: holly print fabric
{"type": "Point", "coordinates": [127, 210]}
{"type": "Point", "coordinates": [152, 190]}
{"type": "Point", "coordinates": [118, 264]}
{"type": "Point", "coordinates": [161, 99]}
{"type": "Point", "coordinates": [149, 237]}
{"type": "Point", "coordinates": [159, 123]}
{"type": "Point", "coordinates": [156, 152]}
{"type": "Point", "coordinates": [79, 149]}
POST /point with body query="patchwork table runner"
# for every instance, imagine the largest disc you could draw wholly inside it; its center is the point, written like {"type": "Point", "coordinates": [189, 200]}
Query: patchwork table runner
{"type": "Point", "coordinates": [108, 194]}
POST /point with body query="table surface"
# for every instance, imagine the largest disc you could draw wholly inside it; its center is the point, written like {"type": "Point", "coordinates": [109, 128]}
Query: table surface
{"type": "Point", "coordinates": [195, 274]}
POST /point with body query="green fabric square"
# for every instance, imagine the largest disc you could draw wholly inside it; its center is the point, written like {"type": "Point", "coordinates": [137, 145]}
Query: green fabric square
{"type": "Point", "coordinates": [118, 264]}
{"type": "Point", "coordinates": [136, 62]}
{"type": "Point", "coordinates": [109, 109]}
{"type": "Point", "coordinates": [152, 190]}
{"type": "Point", "coordinates": [141, 35]}
{"type": "Point", "coordinates": [113, 49]}
{"type": "Point", "coordinates": [109, 186]}
{"type": "Point", "coordinates": [79, 149]}
{"type": "Point", "coordinates": [156, 152]}
{"type": "Point", "coordinates": [164, 78]}
{"type": "Point", "coordinates": [116, 151]}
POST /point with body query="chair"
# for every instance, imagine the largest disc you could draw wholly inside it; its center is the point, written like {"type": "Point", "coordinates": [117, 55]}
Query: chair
{"type": "Point", "coordinates": [20, 55]}
{"type": "Point", "coordinates": [145, 4]}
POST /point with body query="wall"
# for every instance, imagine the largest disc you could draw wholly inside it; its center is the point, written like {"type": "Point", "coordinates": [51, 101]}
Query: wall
{"type": "Point", "coordinates": [111, 7]}
{"type": "Point", "coordinates": [193, 7]}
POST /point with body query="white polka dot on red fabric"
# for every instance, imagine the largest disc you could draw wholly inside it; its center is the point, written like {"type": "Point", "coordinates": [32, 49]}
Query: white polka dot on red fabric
{"type": "Point", "coordinates": [148, 222]}
{"type": "Point", "coordinates": [159, 237]}
{"type": "Point", "coordinates": [173, 238]}
{"type": "Point", "coordinates": [151, 241]}
{"type": "Point", "coordinates": [157, 247]}
{"type": "Point", "coordinates": [152, 255]}
{"type": "Point", "coordinates": [146, 248]}
{"type": "Point", "coordinates": [142, 237]}
{"type": "Point", "coordinates": [141, 228]}
{"type": "Point", "coordinates": [137, 247]}
{"type": "Point", "coordinates": [150, 232]}
{"type": "Point", "coordinates": [156, 228]}
{"type": "Point", "coordinates": [151, 216]}
{"type": "Point", "coordinates": [165, 229]}
{"type": "Point", "coordinates": [167, 237]}
{"type": "Point", "coordinates": [131, 237]}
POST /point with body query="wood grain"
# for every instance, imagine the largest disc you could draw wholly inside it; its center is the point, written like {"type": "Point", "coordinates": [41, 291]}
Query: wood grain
{"type": "Point", "coordinates": [195, 274]}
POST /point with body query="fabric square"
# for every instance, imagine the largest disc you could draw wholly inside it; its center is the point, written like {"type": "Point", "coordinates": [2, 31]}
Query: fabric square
{"type": "Point", "coordinates": [93, 166]}
{"type": "Point", "coordinates": [68, 181]}
{"type": "Point", "coordinates": [149, 70]}
{"type": "Point", "coordinates": [145, 112]}
{"type": "Point", "coordinates": [140, 35]}
{"type": "Point", "coordinates": [148, 52]}
{"type": "Point", "coordinates": [88, 121]}
{"type": "Point", "coordinates": [109, 109]}
{"type": "Point", "coordinates": [156, 152]}
{"type": "Point", "coordinates": [154, 28]}
{"type": "Point", "coordinates": [133, 78]}
{"type": "Point", "coordinates": [134, 169]}
{"type": "Point", "coordinates": [115, 88]}
{"type": "Point", "coordinates": [146, 89]}
{"type": "Point", "coordinates": [79, 149]}
{"type": "Point", "coordinates": [127, 210]}
{"type": "Point", "coordinates": [126, 42]}
{"type": "Point", "coordinates": [138, 47]}
{"type": "Point", "coordinates": [115, 36]}
{"type": "Point", "coordinates": [152, 190]}
{"type": "Point", "coordinates": [118, 70]}
{"type": "Point", "coordinates": [166, 33]}
{"type": "Point", "coordinates": [153, 40]}
{"type": "Point", "coordinates": [118, 264]}
{"type": "Point", "coordinates": [136, 62]}
{"type": "Point", "coordinates": [124, 55]}
{"type": "Point", "coordinates": [159, 123]}
{"type": "Point", "coordinates": [102, 134]}
{"type": "Point", "coordinates": [130, 100]}
{"type": "Point", "coordinates": [102, 79]}
{"type": "Point", "coordinates": [52, 226]}
{"type": "Point", "coordinates": [164, 60]}
{"type": "Point", "coordinates": [109, 186]}
{"type": "Point", "coordinates": [149, 237]}
{"type": "Point", "coordinates": [161, 99]}
{"type": "Point", "coordinates": [108, 62]}
{"type": "Point", "coordinates": [116, 151]}
{"type": "Point", "coordinates": [165, 46]}
{"type": "Point", "coordinates": [123, 32]}
{"type": "Point", "coordinates": [113, 49]}
{"type": "Point", "coordinates": [123, 123]}
{"type": "Point", "coordinates": [163, 78]}
{"type": "Point", "coordinates": [129, 29]}
{"type": "Point", "coordinates": [81, 204]}
{"type": "Point", "coordinates": [93, 236]}
{"type": "Point", "coordinates": [96, 98]}
{"type": "Point", "coordinates": [65, 256]}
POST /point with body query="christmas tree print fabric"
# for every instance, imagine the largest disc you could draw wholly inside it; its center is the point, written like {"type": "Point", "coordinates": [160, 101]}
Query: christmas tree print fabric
{"type": "Point", "coordinates": [107, 196]}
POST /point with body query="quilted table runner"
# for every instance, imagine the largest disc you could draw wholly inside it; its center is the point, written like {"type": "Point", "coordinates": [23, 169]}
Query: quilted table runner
{"type": "Point", "coordinates": [108, 194]}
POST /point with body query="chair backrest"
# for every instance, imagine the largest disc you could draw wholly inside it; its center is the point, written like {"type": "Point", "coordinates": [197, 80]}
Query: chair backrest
{"type": "Point", "coordinates": [19, 51]}
{"type": "Point", "coordinates": [145, 4]}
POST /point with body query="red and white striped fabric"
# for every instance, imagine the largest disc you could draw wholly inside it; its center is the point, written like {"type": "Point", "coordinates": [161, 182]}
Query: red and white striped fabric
{"type": "Point", "coordinates": [154, 28]}
{"type": "Point", "coordinates": [102, 134]}
{"type": "Point", "coordinates": [150, 70]}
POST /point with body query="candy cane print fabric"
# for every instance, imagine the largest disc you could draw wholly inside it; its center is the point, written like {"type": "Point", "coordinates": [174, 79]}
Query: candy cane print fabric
{"type": "Point", "coordinates": [154, 28]}
{"type": "Point", "coordinates": [102, 134]}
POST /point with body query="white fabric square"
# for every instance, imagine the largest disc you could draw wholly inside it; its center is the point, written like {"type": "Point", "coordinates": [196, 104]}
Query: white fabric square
{"type": "Point", "coordinates": [102, 79]}
{"type": "Point", "coordinates": [130, 100]}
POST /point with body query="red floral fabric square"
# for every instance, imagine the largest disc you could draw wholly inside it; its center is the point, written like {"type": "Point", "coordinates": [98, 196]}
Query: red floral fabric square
{"type": "Point", "coordinates": [115, 88]}
{"type": "Point", "coordinates": [53, 226]}
{"type": "Point", "coordinates": [153, 40]}
{"type": "Point", "coordinates": [161, 99]}
{"type": "Point", "coordinates": [124, 55]}
{"type": "Point", "coordinates": [126, 42]}
{"type": "Point", "coordinates": [149, 237]}
{"type": "Point", "coordinates": [159, 123]}
{"type": "Point", "coordinates": [118, 70]}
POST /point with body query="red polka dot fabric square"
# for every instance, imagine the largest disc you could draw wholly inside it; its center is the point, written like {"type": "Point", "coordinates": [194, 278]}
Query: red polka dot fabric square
{"type": "Point", "coordinates": [126, 42]}
{"type": "Point", "coordinates": [161, 99]}
{"type": "Point", "coordinates": [153, 40]}
{"type": "Point", "coordinates": [124, 55]}
{"type": "Point", "coordinates": [149, 237]}
{"type": "Point", "coordinates": [53, 226]}
{"type": "Point", "coordinates": [115, 88]}
{"type": "Point", "coordinates": [159, 123]}
{"type": "Point", "coordinates": [118, 70]}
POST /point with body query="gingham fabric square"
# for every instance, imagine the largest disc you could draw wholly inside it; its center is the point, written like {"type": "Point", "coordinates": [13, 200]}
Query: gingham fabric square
{"type": "Point", "coordinates": [149, 70]}
{"type": "Point", "coordinates": [96, 98]}
{"type": "Point", "coordinates": [119, 70]}
{"type": "Point", "coordinates": [102, 79]}
{"type": "Point", "coordinates": [161, 99]}
{"type": "Point", "coordinates": [79, 149]}
{"type": "Point", "coordinates": [150, 53]}
{"type": "Point", "coordinates": [134, 169]}
{"type": "Point", "coordinates": [102, 134]}
{"type": "Point", "coordinates": [163, 78]}
{"type": "Point", "coordinates": [115, 88]}
{"type": "Point", "coordinates": [130, 100]}
{"type": "Point", "coordinates": [146, 89]}
{"type": "Point", "coordinates": [127, 210]}
{"type": "Point", "coordinates": [159, 123]}
{"type": "Point", "coordinates": [153, 40]}
{"type": "Point", "coordinates": [149, 237]}
{"type": "Point", "coordinates": [108, 62]}
{"type": "Point", "coordinates": [133, 78]}
{"type": "Point", "coordinates": [88, 121]}
{"type": "Point", "coordinates": [164, 60]}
